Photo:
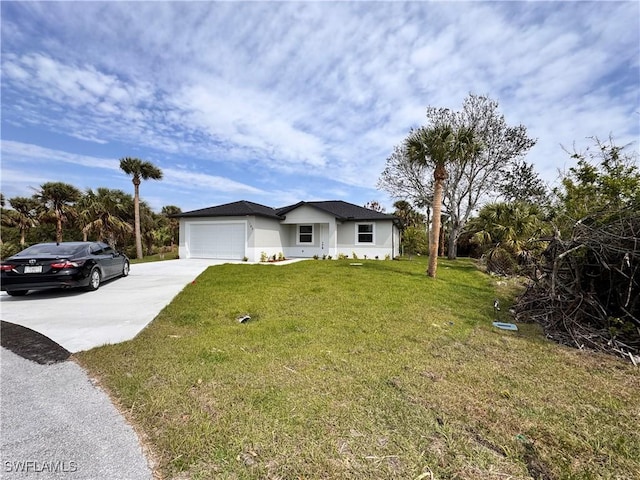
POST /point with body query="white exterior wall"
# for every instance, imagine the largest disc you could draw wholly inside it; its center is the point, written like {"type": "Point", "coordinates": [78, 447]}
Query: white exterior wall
{"type": "Point", "coordinates": [324, 233]}
{"type": "Point", "coordinates": [267, 236]}
{"type": "Point", "coordinates": [385, 240]}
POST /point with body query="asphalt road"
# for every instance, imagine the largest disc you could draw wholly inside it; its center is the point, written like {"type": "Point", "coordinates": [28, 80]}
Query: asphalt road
{"type": "Point", "coordinates": [57, 424]}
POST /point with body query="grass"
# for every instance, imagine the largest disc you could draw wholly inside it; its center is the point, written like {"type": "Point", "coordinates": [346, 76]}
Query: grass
{"type": "Point", "coordinates": [366, 372]}
{"type": "Point", "coordinates": [158, 257]}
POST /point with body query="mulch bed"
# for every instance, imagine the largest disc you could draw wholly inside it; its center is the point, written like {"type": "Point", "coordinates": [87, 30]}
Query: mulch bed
{"type": "Point", "coordinates": [31, 345]}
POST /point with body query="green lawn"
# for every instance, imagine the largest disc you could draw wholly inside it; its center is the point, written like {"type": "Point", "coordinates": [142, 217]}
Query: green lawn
{"type": "Point", "coordinates": [371, 371]}
{"type": "Point", "coordinates": [158, 257]}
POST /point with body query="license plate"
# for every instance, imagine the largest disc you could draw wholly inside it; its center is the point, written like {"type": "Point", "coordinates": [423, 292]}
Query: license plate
{"type": "Point", "coordinates": [36, 269]}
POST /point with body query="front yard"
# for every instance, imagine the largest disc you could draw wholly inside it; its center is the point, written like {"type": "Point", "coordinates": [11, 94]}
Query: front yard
{"type": "Point", "coordinates": [371, 371]}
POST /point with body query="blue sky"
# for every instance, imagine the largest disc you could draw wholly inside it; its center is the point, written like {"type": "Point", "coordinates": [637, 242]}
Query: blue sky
{"type": "Point", "coordinates": [281, 102]}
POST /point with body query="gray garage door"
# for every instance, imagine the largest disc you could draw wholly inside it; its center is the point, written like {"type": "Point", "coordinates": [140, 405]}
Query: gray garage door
{"type": "Point", "coordinates": [219, 240]}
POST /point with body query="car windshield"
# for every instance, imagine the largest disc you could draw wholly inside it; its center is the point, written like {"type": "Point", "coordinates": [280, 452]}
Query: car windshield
{"type": "Point", "coordinates": [52, 249]}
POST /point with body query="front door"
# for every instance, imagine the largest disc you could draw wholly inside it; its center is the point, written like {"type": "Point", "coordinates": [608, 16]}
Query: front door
{"type": "Point", "coordinates": [324, 239]}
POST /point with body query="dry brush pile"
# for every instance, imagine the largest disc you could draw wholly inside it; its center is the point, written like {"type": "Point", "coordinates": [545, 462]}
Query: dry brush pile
{"type": "Point", "coordinates": [585, 292]}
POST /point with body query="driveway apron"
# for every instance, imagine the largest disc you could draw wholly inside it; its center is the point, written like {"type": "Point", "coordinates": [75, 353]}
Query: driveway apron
{"type": "Point", "coordinates": [116, 312]}
{"type": "Point", "coordinates": [56, 422]}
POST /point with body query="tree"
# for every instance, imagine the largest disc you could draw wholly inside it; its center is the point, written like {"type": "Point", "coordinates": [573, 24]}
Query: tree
{"type": "Point", "coordinates": [374, 205]}
{"type": "Point", "coordinates": [509, 233]}
{"type": "Point", "coordinates": [470, 180]}
{"type": "Point", "coordinates": [405, 179]}
{"type": "Point", "coordinates": [58, 198]}
{"type": "Point", "coordinates": [408, 216]}
{"type": "Point", "coordinates": [139, 170]}
{"type": "Point", "coordinates": [522, 183]}
{"type": "Point", "coordinates": [168, 211]}
{"type": "Point", "coordinates": [104, 212]}
{"type": "Point", "coordinates": [24, 215]}
{"type": "Point", "coordinates": [604, 179]}
{"type": "Point", "coordinates": [435, 145]}
{"type": "Point", "coordinates": [477, 177]}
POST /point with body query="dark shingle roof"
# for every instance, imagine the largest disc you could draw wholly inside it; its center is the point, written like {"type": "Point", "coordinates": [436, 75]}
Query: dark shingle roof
{"type": "Point", "coordinates": [235, 209]}
{"type": "Point", "coordinates": [341, 210]}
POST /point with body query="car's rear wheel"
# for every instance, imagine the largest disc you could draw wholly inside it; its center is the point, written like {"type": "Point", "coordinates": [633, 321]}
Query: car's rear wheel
{"type": "Point", "coordinates": [125, 269]}
{"type": "Point", "coordinates": [94, 279]}
{"type": "Point", "coordinates": [17, 293]}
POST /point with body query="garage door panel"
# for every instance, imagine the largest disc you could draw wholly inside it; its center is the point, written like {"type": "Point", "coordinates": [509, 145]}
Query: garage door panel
{"type": "Point", "coordinates": [222, 240]}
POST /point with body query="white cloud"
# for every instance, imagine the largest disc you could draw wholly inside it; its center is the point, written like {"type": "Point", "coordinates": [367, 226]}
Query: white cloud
{"type": "Point", "coordinates": [257, 92]}
{"type": "Point", "coordinates": [17, 152]}
{"type": "Point", "coordinates": [195, 180]}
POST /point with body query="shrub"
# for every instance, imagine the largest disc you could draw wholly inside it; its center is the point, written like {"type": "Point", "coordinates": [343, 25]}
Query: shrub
{"type": "Point", "coordinates": [7, 249]}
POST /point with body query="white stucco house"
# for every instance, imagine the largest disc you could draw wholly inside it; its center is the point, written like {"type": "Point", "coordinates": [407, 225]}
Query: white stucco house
{"type": "Point", "coordinates": [244, 229]}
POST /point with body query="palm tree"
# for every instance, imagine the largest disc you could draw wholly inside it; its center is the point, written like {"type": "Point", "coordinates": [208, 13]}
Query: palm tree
{"type": "Point", "coordinates": [438, 146]}
{"type": "Point", "coordinates": [509, 229]}
{"type": "Point", "coordinates": [23, 216]}
{"type": "Point", "coordinates": [433, 145]}
{"type": "Point", "coordinates": [104, 212]}
{"type": "Point", "coordinates": [139, 170]}
{"type": "Point", "coordinates": [58, 199]}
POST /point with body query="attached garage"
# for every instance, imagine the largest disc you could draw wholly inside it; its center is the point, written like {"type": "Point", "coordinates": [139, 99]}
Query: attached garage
{"type": "Point", "coordinates": [221, 240]}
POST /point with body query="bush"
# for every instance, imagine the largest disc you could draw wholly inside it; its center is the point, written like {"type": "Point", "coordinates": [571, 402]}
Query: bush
{"type": "Point", "coordinates": [585, 291]}
{"type": "Point", "coordinates": [8, 248]}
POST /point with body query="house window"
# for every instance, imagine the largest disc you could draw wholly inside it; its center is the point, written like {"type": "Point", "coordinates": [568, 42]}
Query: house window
{"type": "Point", "coordinates": [364, 233]}
{"type": "Point", "coordinates": [305, 233]}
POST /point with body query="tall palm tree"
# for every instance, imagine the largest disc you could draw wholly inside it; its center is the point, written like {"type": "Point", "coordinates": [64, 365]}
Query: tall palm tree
{"type": "Point", "coordinates": [139, 170]}
{"type": "Point", "coordinates": [104, 212]}
{"type": "Point", "coordinates": [58, 199]}
{"type": "Point", "coordinates": [23, 216]}
{"type": "Point", "coordinates": [433, 145]}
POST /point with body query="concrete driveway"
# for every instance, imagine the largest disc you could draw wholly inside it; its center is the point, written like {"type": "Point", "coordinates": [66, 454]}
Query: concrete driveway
{"type": "Point", "coordinates": [116, 312]}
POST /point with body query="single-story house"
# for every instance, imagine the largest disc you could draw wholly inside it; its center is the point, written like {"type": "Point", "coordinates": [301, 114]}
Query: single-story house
{"type": "Point", "coordinates": [244, 229]}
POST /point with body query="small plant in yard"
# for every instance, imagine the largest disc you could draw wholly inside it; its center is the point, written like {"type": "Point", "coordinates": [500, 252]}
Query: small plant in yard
{"type": "Point", "coordinates": [245, 259]}
{"type": "Point", "coordinates": [281, 257]}
{"type": "Point", "coordinates": [342, 256]}
{"type": "Point", "coordinates": [264, 257]}
{"type": "Point", "coordinates": [354, 255]}
{"type": "Point", "coordinates": [367, 373]}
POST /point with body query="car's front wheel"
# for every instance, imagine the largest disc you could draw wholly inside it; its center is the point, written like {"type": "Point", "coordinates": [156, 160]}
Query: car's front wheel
{"type": "Point", "coordinates": [125, 269]}
{"type": "Point", "coordinates": [94, 279]}
{"type": "Point", "coordinates": [17, 293]}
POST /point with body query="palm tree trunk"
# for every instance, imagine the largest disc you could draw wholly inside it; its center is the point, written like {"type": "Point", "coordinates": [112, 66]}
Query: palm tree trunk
{"type": "Point", "coordinates": [428, 225]}
{"type": "Point", "coordinates": [435, 230]}
{"type": "Point", "coordinates": [136, 212]}
{"type": "Point", "coordinates": [58, 227]}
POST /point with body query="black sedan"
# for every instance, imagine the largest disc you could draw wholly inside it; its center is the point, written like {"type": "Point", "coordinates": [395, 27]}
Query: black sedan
{"type": "Point", "coordinates": [62, 265]}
